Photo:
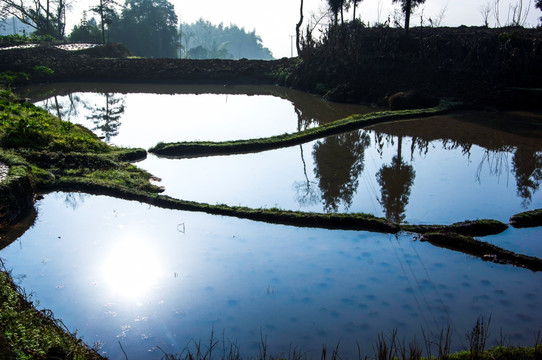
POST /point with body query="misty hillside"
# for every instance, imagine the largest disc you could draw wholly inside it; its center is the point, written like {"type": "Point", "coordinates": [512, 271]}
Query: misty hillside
{"type": "Point", "coordinates": [203, 40]}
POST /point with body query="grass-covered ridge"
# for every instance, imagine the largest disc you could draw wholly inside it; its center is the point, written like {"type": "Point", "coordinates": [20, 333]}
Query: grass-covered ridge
{"type": "Point", "coordinates": [38, 145]}
{"type": "Point", "coordinates": [354, 122]}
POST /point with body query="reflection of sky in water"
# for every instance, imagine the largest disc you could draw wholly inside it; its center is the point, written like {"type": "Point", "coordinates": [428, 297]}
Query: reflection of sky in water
{"type": "Point", "coordinates": [123, 271]}
{"type": "Point", "coordinates": [151, 118]}
{"type": "Point", "coordinates": [448, 186]}
{"type": "Point", "coordinates": [144, 119]}
{"type": "Point", "coordinates": [464, 166]}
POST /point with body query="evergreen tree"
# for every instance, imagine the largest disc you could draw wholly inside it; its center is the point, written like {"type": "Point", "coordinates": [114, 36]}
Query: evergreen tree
{"type": "Point", "coordinates": [148, 28]}
{"type": "Point", "coordinates": [335, 6]}
{"type": "Point", "coordinates": [105, 9]}
{"type": "Point", "coordinates": [86, 31]}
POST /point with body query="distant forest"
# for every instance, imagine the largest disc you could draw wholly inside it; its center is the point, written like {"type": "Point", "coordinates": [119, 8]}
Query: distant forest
{"type": "Point", "coordinates": [150, 28]}
{"type": "Point", "coordinates": [203, 40]}
{"type": "Point", "coordinates": [14, 26]}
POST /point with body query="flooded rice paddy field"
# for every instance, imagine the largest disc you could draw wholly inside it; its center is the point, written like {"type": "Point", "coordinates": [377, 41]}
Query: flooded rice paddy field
{"type": "Point", "coordinates": [151, 278]}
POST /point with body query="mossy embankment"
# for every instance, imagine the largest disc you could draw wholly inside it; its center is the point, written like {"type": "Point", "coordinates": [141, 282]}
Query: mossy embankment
{"type": "Point", "coordinates": [525, 219]}
{"type": "Point", "coordinates": [205, 148]}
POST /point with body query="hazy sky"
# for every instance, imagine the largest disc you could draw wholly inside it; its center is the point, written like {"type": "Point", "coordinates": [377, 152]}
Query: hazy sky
{"type": "Point", "coordinates": [274, 21]}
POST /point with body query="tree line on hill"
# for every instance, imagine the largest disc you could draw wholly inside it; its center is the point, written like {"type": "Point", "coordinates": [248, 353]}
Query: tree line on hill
{"type": "Point", "coordinates": [149, 28]}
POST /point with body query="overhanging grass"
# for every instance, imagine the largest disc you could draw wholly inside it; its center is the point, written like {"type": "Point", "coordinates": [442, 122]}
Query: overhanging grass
{"type": "Point", "coordinates": [201, 148]}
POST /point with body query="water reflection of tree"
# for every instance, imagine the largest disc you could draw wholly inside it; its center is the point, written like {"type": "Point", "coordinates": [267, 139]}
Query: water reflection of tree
{"type": "Point", "coordinates": [497, 162]}
{"type": "Point", "coordinates": [395, 181]}
{"type": "Point", "coordinates": [338, 163]}
{"type": "Point", "coordinates": [73, 200]}
{"type": "Point", "coordinates": [64, 108]}
{"type": "Point", "coordinates": [527, 164]}
{"type": "Point", "coordinates": [107, 118]}
{"type": "Point", "coordinates": [306, 192]}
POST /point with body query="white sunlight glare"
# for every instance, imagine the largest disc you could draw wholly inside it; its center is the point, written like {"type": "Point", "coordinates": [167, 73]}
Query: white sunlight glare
{"type": "Point", "coordinates": [132, 269]}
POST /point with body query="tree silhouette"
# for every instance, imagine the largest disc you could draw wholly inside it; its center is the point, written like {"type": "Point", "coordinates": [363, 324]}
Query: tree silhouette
{"type": "Point", "coordinates": [298, 30]}
{"type": "Point", "coordinates": [105, 9]}
{"type": "Point", "coordinates": [339, 160]}
{"type": "Point", "coordinates": [395, 181]}
{"type": "Point", "coordinates": [335, 6]}
{"type": "Point", "coordinates": [355, 4]}
{"type": "Point", "coordinates": [408, 6]}
{"type": "Point", "coordinates": [107, 118]}
{"type": "Point", "coordinates": [86, 32]}
{"type": "Point", "coordinates": [538, 4]}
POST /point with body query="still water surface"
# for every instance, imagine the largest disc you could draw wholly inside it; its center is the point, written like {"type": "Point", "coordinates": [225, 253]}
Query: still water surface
{"type": "Point", "coordinates": [148, 277]}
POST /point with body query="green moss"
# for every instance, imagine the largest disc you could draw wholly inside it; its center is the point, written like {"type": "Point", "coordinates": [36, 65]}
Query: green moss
{"type": "Point", "coordinates": [25, 126]}
{"type": "Point", "coordinates": [482, 227]}
{"type": "Point", "coordinates": [530, 218]}
{"type": "Point", "coordinates": [501, 353]}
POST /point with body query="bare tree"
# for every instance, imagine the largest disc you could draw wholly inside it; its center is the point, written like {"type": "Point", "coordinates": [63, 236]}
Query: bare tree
{"type": "Point", "coordinates": [519, 15]}
{"type": "Point", "coordinates": [497, 12]}
{"type": "Point", "coordinates": [47, 17]}
{"type": "Point", "coordinates": [379, 12]}
{"type": "Point", "coordinates": [440, 16]}
{"type": "Point", "coordinates": [485, 11]}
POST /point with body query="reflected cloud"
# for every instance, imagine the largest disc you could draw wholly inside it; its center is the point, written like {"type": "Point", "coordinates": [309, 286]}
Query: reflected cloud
{"type": "Point", "coordinates": [132, 269]}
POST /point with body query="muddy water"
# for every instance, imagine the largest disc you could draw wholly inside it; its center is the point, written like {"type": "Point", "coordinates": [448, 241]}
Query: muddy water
{"type": "Point", "coordinates": [147, 277]}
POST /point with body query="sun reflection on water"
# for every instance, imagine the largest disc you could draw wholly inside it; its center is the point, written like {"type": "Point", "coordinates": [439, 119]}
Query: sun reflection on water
{"type": "Point", "coordinates": [132, 269]}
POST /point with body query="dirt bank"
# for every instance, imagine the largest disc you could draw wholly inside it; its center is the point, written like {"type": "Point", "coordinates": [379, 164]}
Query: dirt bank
{"type": "Point", "coordinates": [108, 66]}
